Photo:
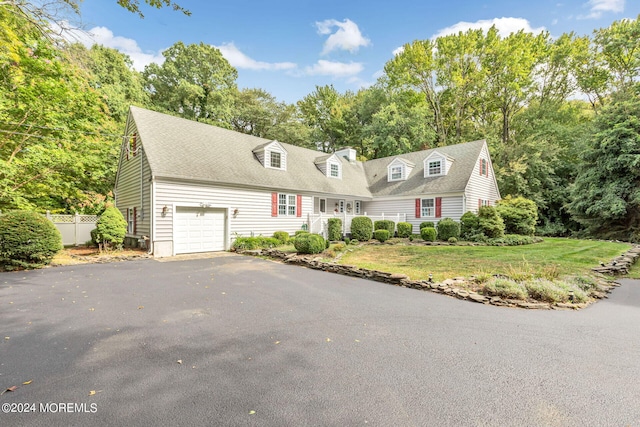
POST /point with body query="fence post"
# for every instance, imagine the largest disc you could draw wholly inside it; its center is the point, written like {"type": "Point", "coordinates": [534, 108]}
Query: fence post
{"type": "Point", "coordinates": [48, 215]}
{"type": "Point", "coordinates": [76, 228]}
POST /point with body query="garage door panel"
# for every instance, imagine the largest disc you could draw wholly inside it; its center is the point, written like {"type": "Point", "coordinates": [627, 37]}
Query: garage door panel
{"type": "Point", "coordinates": [199, 230]}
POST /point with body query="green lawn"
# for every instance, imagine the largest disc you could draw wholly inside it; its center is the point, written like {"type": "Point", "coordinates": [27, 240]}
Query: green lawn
{"type": "Point", "coordinates": [553, 257]}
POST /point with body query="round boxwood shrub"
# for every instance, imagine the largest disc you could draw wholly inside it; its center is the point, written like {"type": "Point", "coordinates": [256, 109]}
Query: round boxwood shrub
{"type": "Point", "coordinates": [448, 228]}
{"type": "Point", "coordinates": [452, 240]}
{"type": "Point", "coordinates": [428, 234]}
{"type": "Point", "coordinates": [427, 224]}
{"type": "Point", "coordinates": [404, 229]}
{"type": "Point", "coordinates": [27, 240]}
{"type": "Point", "coordinates": [519, 215]}
{"type": "Point", "coordinates": [469, 224]}
{"type": "Point", "coordinates": [381, 235]}
{"type": "Point", "coordinates": [298, 232]}
{"type": "Point", "coordinates": [361, 228]}
{"type": "Point", "coordinates": [385, 224]}
{"type": "Point", "coordinates": [490, 222]}
{"type": "Point", "coordinates": [307, 243]}
{"type": "Point", "coordinates": [334, 226]}
{"type": "Point", "coordinates": [111, 228]}
{"type": "Point", "coordinates": [282, 236]}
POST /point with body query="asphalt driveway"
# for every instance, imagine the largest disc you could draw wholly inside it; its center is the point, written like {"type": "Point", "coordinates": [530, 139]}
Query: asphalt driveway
{"type": "Point", "coordinates": [235, 340]}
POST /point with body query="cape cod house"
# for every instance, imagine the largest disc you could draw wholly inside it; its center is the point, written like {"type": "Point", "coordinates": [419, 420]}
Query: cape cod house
{"type": "Point", "coordinates": [186, 186]}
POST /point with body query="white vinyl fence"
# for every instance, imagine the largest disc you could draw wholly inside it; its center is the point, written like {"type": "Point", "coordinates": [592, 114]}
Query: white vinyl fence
{"type": "Point", "coordinates": [75, 229]}
{"type": "Point", "coordinates": [318, 223]}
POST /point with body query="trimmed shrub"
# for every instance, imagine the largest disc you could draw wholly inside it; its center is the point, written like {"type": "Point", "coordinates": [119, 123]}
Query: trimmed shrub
{"type": "Point", "coordinates": [452, 239]}
{"type": "Point", "coordinates": [112, 228]}
{"type": "Point", "coordinates": [404, 229]}
{"type": "Point", "coordinates": [385, 224]}
{"type": "Point", "coordinates": [347, 240]}
{"type": "Point", "coordinates": [27, 240]}
{"type": "Point", "coordinates": [94, 236]}
{"type": "Point", "coordinates": [335, 228]}
{"type": "Point", "coordinates": [251, 243]}
{"type": "Point", "coordinates": [519, 215]}
{"type": "Point", "coordinates": [448, 228]}
{"type": "Point", "coordinates": [309, 243]}
{"type": "Point", "coordinates": [427, 224]}
{"type": "Point", "coordinates": [428, 234]}
{"type": "Point", "coordinates": [361, 228]}
{"type": "Point", "coordinates": [299, 232]}
{"type": "Point", "coordinates": [354, 242]}
{"type": "Point", "coordinates": [381, 235]}
{"type": "Point", "coordinates": [490, 222]}
{"type": "Point", "coordinates": [469, 225]}
{"type": "Point", "coordinates": [282, 236]}
{"type": "Point", "coordinates": [513, 240]}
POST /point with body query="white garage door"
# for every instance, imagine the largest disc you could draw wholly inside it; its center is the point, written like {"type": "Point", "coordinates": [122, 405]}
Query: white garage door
{"type": "Point", "coordinates": [199, 230]}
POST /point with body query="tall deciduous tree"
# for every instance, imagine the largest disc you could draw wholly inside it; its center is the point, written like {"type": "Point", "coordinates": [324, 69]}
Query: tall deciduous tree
{"type": "Point", "coordinates": [606, 194]}
{"type": "Point", "coordinates": [194, 82]}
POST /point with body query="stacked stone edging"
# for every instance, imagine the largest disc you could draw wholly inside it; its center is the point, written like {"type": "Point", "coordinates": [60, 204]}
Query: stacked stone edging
{"type": "Point", "coordinates": [446, 287]}
{"type": "Point", "coordinates": [620, 265]}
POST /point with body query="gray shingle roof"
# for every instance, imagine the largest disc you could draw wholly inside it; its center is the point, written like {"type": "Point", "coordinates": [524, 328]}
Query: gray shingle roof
{"type": "Point", "coordinates": [184, 149]}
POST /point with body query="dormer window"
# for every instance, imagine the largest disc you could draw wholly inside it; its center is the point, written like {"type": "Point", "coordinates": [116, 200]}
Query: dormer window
{"type": "Point", "coordinates": [396, 173]}
{"type": "Point", "coordinates": [275, 160]}
{"type": "Point", "coordinates": [436, 164]}
{"type": "Point", "coordinates": [399, 170]}
{"type": "Point", "coordinates": [330, 165]}
{"type": "Point", "coordinates": [335, 170]}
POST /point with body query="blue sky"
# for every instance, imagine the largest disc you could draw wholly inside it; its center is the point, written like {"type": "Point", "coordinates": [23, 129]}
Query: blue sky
{"type": "Point", "coordinates": [288, 47]}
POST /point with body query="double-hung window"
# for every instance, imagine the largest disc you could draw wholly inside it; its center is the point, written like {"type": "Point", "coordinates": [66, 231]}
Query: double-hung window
{"type": "Point", "coordinates": [334, 170]}
{"type": "Point", "coordinates": [287, 204]}
{"type": "Point", "coordinates": [396, 173]}
{"type": "Point", "coordinates": [428, 208]}
{"type": "Point", "coordinates": [275, 160]}
{"type": "Point", "coordinates": [435, 167]}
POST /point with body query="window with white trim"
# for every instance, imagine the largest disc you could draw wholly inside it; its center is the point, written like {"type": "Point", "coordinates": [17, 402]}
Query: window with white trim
{"type": "Point", "coordinates": [428, 208]}
{"type": "Point", "coordinates": [484, 170]}
{"type": "Point", "coordinates": [131, 220]}
{"type": "Point", "coordinates": [275, 160]}
{"type": "Point", "coordinates": [341, 206]}
{"type": "Point", "coordinates": [323, 205]}
{"type": "Point", "coordinates": [434, 167]}
{"type": "Point", "coordinates": [357, 207]}
{"type": "Point", "coordinates": [334, 170]}
{"type": "Point", "coordinates": [286, 204]}
{"type": "Point", "coordinates": [396, 173]}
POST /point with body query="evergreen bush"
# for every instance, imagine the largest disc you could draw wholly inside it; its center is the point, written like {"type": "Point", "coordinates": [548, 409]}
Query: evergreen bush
{"type": "Point", "coordinates": [335, 228]}
{"type": "Point", "coordinates": [428, 234]}
{"type": "Point", "coordinates": [259, 242]}
{"type": "Point", "coordinates": [27, 240]}
{"type": "Point", "coordinates": [361, 228]}
{"type": "Point", "coordinates": [385, 224]}
{"type": "Point", "coordinates": [404, 229]}
{"type": "Point", "coordinates": [282, 236]}
{"type": "Point", "coordinates": [469, 225]}
{"type": "Point", "coordinates": [448, 228]}
{"type": "Point", "coordinates": [111, 227]}
{"type": "Point", "coordinates": [490, 222]}
{"type": "Point", "coordinates": [519, 215]}
{"type": "Point", "coordinates": [381, 235]}
{"type": "Point", "coordinates": [309, 243]}
{"type": "Point", "coordinates": [427, 224]}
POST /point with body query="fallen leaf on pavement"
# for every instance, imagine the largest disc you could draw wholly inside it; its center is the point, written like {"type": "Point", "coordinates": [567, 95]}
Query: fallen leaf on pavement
{"type": "Point", "coordinates": [252, 412]}
{"type": "Point", "coordinates": [27, 382]}
{"type": "Point", "coordinates": [12, 388]}
{"type": "Point", "coordinates": [6, 338]}
{"type": "Point", "coordinates": [92, 393]}
{"type": "Point", "coordinates": [140, 307]}
{"type": "Point", "coordinates": [180, 362]}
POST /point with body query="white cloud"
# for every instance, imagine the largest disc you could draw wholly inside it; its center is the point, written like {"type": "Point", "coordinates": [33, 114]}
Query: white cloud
{"type": "Point", "coordinates": [105, 37]}
{"type": "Point", "coordinates": [598, 7]}
{"type": "Point", "coordinates": [505, 26]}
{"type": "Point", "coordinates": [397, 51]}
{"type": "Point", "coordinates": [335, 69]}
{"type": "Point", "coordinates": [239, 60]}
{"type": "Point", "coordinates": [347, 37]}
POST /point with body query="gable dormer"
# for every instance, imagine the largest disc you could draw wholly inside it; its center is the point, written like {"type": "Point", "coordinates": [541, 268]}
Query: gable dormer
{"type": "Point", "coordinates": [272, 155]}
{"type": "Point", "coordinates": [330, 166]}
{"type": "Point", "coordinates": [437, 164]}
{"type": "Point", "coordinates": [399, 170]}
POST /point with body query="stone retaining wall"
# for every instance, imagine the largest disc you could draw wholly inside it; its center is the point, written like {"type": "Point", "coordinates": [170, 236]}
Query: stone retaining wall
{"type": "Point", "coordinates": [620, 265]}
{"type": "Point", "coordinates": [448, 287]}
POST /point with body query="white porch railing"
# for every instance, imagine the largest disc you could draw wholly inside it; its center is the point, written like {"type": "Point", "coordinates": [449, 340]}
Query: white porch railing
{"type": "Point", "coordinates": [317, 223]}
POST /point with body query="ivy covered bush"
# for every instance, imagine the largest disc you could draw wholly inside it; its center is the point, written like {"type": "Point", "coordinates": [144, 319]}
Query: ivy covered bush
{"type": "Point", "coordinates": [519, 215]}
{"type": "Point", "coordinates": [334, 226]}
{"type": "Point", "coordinates": [361, 228]}
{"type": "Point", "coordinates": [309, 243]}
{"type": "Point", "coordinates": [404, 229]}
{"type": "Point", "coordinates": [385, 224]}
{"type": "Point", "coordinates": [428, 234]}
{"type": "Point", "coordinates": [27, 240]}
{"type": "Point", "coordinates": [448, 228]}
{"type": "Point", "coordinates": [111, 228]}
{"type": "Point", "coordinates": [381, 235]}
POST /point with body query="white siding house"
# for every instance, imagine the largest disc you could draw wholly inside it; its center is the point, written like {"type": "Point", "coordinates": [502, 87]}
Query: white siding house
{"type": "Point", "coordinates": [192, 187]}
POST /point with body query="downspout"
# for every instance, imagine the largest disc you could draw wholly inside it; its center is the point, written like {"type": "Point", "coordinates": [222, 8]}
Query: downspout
{"type": "Point", "coordinates": [152, 218]}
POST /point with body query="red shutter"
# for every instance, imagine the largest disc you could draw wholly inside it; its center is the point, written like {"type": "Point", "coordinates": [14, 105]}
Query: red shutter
{"type": "Point", "coordinates": [126, 218]}
{"type": "Point", "coordinates": [274, 204]}
{"type": "Point", "coordinates": [418, 208]}
{"type": "Point", "coordinates": [479, 203]}
{"type": "Point", "coordinates": [480, 167]}
{"type": "Point", "coordinates": [298, 205]}
{"type": "Point", "coordinates": [134, 146]}
{"type": "Point", "coordinates": [438, 207]}
{"type": "Point", "coordinates": [135, 221]}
